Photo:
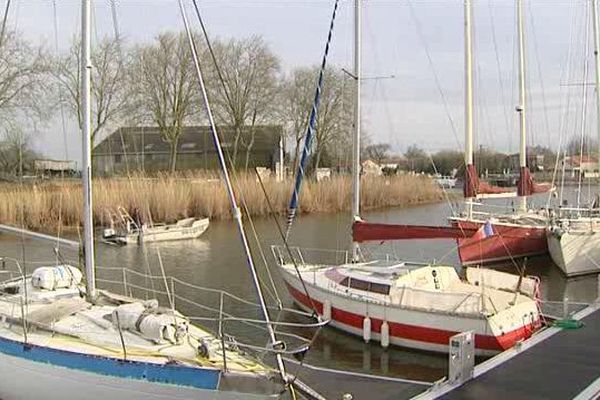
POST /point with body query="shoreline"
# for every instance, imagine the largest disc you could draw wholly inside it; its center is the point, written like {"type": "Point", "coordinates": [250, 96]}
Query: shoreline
{"type": "Point", "coordinates": [168, 198]}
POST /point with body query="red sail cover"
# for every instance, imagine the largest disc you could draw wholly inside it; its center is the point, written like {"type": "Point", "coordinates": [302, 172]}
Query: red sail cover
{"type": "Point", "coordinates": [473, 186]}
{"type": "Point", "coordinates": [526, 186]}
{"type": "Point", "coordinates": [366, 231]}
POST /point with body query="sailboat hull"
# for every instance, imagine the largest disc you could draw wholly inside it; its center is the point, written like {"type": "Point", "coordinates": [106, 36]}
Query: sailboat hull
{"type": "Point", "coordinates": [32, 372]}
{"type": "Point", "coordinates": [509, 241]}
{"type": "Point", "coordinates": [411, 328]}
{"type": "Point", "coordinates": [575, 253]}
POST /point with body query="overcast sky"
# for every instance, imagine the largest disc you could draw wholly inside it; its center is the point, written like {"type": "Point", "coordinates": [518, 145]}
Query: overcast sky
{"type": "Point", "coordinates": [414, 107]}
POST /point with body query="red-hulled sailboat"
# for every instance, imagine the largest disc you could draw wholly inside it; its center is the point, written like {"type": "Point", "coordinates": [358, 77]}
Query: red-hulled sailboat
{"type": "Point", "coordinates": [506, 236]}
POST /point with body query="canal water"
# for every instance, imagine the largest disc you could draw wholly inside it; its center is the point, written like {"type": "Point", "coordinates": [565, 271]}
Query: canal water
{"type": "Point", "coordinates": [216, 260]}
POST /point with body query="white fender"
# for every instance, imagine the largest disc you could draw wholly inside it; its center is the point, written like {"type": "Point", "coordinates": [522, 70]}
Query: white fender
{"type": "Point", "coordinates": [367, 329]}
{"type": "Point", "coordinates": [385, 335]}
{"type": "Point", "coordinates": [327, 310]}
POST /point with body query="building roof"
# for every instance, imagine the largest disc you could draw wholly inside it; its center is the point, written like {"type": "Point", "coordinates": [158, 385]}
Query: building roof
{"type": "Point", "coordinates": [193, 140]}
{"type": "Point", "coordinates": [578, 160]}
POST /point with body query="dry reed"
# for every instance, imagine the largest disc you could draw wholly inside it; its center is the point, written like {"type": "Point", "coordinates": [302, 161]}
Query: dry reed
{"type": "Point", "coordinates": [44, 206]}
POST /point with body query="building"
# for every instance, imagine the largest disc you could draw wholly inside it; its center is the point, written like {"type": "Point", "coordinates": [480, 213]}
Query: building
{"type": "Point", "coordinates": [54, 167]}
{"type": "Point", "coordinates": [584, 166]}
{"type": "Point", "coordinates": [144, 149]}
{"type": "Point", "coordinates": [535, 162]}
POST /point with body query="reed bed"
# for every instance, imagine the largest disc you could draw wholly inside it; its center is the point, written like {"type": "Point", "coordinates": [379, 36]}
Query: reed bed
{"type": "Point", "coordinates": [44, 206]}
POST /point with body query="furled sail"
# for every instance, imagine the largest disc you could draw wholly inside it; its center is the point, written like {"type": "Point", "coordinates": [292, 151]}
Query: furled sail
{"type": "Point", "coordinates": [473, 187]}
{"type": "Point", "coordinates": [363, 231]}
{"type": "Point", "coordinates": [526, 186]}
{"type": "Point", "coordinates": [308, 138]}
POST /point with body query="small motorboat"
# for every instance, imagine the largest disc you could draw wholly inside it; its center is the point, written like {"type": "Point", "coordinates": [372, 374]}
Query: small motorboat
{"type": "Point", "coordinates": [126, 229]}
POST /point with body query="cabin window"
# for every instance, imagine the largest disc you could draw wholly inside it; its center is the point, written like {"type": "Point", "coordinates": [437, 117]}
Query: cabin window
{"type": "Point", "coordinates": [380, 288]}
{"type": "Point", "coordinates": [365, 286]}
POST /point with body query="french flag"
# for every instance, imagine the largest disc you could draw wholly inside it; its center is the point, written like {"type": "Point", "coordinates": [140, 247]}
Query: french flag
{"type": "Point", "coordinates": [486, 230]}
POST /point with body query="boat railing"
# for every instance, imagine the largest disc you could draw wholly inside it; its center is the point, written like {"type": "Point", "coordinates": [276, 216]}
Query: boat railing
{"type": "Point", "coordinates": [571, 213]}
{"type": "Point", "coordinates": [231, 318]}
{"type": "Point", "coordinates": [564, 309]}
{"type": "Point", "coordinates": [326, 257]}
{"type": "Point", "coordinates": [309, 256]}
{"type": "Point", "coordinates": [235, 321]}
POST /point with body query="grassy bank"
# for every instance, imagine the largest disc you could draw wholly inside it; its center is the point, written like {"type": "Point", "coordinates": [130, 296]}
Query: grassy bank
{"type": "Point", "coordinates": [43, 206]}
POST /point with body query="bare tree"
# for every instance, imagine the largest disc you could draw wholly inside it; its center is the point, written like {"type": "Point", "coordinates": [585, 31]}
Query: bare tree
{"type": "Point", "coordinates": [109, 99]}
{"type": "Point", "coordinates": [247, 96]}
{"type": "Point", "coordinates": [334, 119]}
{"type": "Point", "coordinates": [296, 102]}
{"type": "Point", "coordinates": [164, 87]}
{"type": "Point", "coordinates": [378, 152]}
{"type": "Point", "coordinates": [578, 146]}
{"type": "Point", "coordinates": [16, 152]}
{"type": "Point", "coordinates": [23, 89]}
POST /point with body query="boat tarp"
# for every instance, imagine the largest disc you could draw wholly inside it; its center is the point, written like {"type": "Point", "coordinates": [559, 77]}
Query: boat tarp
{"type": "Point", "coordinates": [463, 303]}
{"type": "Point", "coordinates": [501, 280]}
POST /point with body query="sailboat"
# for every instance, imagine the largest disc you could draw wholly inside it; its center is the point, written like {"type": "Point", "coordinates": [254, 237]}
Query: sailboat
{"type": "Point", "coordinates": [402, 303]}
{"type": "Point", "coordinates": [574, 233]}
{"type": "Point", "coordinates": [62, 340]}
{"type": "Point", "coordinates": [510, 236]}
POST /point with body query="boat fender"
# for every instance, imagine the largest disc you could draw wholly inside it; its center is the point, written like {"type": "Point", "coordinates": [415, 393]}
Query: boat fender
{"type": "Point", "coordinates": [385, 335]}
{"type": "Point", "coordinates": [367, 329]}
{"type": "Point", "coordinates": [327, 310]}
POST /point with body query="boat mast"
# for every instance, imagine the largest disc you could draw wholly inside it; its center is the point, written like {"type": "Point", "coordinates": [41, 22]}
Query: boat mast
{"type": "Point", "coordinates": [468, 102]}
{"type": "Point", "coordinates": [237, 214]}
{"type": "Point", "coordinates": [86, 171]}
{"type": "Point", "coordinates": [597, 60]}
{"type": "Point", "coordinates": [356, 141]}
{"type": "Point", "coordinates": [522, 101]}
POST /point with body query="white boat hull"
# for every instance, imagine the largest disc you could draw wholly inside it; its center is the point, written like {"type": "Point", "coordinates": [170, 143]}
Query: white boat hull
{"type": "Point", "coordinates": [575, 253]}
{"type": "Point", "coordinates": [416, 329]}
{"type": "Point", "coordinates": [163, 233]}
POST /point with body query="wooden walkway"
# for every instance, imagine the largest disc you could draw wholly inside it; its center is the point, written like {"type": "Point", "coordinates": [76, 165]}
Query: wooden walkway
{"type": "Point", "coordinates": [556, 364]}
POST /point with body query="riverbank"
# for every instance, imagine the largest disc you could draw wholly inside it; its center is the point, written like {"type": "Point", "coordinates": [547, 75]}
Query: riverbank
{"type": "Point", "coordinates": [42, 206]}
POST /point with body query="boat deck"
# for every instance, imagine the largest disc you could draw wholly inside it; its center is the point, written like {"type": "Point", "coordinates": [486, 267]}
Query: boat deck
{"type": "Point", "coordinates": [561, 364]}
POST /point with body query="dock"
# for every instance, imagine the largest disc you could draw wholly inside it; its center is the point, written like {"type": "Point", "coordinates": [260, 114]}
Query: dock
{"type": "Point", "coordinates": [554, 364]}
{"type": "Point", "coordinates": [329, 384]}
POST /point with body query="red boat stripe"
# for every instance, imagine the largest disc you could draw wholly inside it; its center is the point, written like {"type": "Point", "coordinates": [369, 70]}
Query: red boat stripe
{"type": "Point", "coordinates": [413, 332]}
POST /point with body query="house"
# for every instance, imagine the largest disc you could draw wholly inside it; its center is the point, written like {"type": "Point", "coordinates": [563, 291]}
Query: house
{"type": "Point", "coordinates": [584, 166]}
{"type": "Point", "coordinates": [144, 149]}
{"type": "Point", "coordinates": [535, 162]}
{"type": "Point", "coordinates": [370, 167]}
{"type": "Point", "coordinates": [47, 167]}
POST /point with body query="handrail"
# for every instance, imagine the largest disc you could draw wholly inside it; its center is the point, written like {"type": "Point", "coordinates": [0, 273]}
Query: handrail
{"type": "Point", "coordinates": [125, 279]}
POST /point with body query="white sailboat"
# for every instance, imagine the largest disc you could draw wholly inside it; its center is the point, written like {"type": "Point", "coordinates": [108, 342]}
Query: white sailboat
{"type": "Point", "coordinates": [408, 304]}
{"type": "Point", "coordinates": [574, 234]}
{"type": "Point", "coordinates": [62, 340]}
